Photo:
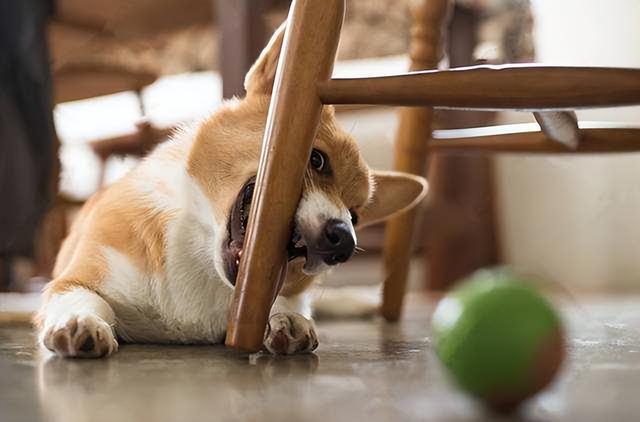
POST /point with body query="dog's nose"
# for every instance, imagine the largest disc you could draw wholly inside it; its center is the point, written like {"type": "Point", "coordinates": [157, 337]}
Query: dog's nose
{"type": "Point", "coordinates": [336, 242]}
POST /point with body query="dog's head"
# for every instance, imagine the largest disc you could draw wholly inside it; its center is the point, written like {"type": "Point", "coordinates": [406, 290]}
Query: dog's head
{"type": "Point", "coordinates": [340, 193]}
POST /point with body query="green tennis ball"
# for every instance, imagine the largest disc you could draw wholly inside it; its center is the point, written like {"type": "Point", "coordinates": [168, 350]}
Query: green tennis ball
{"type": "Point", "coordinates": [500, 339]}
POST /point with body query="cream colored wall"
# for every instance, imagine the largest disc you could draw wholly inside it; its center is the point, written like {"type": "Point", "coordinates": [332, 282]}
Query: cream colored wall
{"type": "Point", "coordinates": [576, 220]}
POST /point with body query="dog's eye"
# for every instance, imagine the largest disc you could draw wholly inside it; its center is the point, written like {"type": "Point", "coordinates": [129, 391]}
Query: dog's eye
{"type": "Point", "coordinates": [354, 217]}
{"type": "Point", "coordinates": [318, 160]}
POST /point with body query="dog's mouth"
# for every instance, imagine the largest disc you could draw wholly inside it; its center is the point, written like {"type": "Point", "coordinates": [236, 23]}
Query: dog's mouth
{"type": "Point", "coordinates": [237, 228]}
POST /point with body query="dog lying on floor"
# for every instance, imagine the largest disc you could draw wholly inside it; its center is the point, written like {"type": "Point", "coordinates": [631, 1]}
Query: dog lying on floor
{"type": "Point", "coordinates": [154, 257]}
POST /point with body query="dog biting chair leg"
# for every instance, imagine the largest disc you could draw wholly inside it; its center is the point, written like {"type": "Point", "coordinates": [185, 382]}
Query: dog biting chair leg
{"type": "Point", "coordinates": [307, 57]}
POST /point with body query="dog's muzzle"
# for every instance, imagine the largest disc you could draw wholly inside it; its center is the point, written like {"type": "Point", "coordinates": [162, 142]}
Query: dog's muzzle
{"type": "Point", "coordinates": [335, 244]}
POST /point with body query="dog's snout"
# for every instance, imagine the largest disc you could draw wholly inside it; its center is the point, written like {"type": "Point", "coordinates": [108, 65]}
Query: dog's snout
{"type": "Point", "coordinates": [337, 242]}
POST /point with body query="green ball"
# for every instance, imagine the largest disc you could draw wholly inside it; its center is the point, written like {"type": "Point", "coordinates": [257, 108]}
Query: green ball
{"type": "Point", "coordinates": [499, 338]}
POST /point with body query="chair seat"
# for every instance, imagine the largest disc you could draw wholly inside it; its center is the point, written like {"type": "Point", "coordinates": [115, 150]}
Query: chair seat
{"type": "Point", "coordinates": [141, 18]}
{"type": "Point", "coordinates": [79, 82]}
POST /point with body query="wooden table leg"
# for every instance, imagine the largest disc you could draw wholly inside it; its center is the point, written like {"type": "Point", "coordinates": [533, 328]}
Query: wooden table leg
{"type": "Point", "coordinates": [307, 57]}
{"type": "Point", "coordinates": [459, 226]}
{"type": "Point", "coordinates": [462, 237]}
{"type": "Point", "coordinates": [414, 131]}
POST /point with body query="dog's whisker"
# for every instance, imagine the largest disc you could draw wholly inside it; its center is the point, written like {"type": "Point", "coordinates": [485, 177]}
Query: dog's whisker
{"type": "Point", "coordinates": [353, 127]}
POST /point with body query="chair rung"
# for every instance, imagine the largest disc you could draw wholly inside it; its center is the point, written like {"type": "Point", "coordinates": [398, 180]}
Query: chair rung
{"type": "Point", "coordinates": [521, 87]}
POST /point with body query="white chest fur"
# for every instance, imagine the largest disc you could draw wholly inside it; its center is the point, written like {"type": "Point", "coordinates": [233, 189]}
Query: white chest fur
{"type": "Point", "coordinates": [188, 301]}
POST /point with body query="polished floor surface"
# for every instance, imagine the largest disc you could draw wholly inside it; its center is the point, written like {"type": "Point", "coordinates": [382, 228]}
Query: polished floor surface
{"type": "Point", "coordinates": [363, 371]}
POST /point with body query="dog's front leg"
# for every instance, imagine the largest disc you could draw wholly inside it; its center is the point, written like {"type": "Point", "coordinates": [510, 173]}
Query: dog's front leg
{"type": "Point", "coordinates": [78, 323]}
{"type": "Point", "coordinates": [290, 329]}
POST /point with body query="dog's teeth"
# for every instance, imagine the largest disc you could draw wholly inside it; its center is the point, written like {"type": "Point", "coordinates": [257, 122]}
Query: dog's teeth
{"type": "Point", "coordinates": [237, 262]}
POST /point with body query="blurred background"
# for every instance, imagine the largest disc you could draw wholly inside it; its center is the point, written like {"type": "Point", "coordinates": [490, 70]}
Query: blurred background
{"type": "Point", "coordinates": [124, 74]}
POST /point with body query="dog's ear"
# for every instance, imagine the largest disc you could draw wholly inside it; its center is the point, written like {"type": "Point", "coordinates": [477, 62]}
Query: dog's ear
{"type": "Point", "coordinates": [259, 79]}
{"type": "Point", "coordinates": [393, 193]}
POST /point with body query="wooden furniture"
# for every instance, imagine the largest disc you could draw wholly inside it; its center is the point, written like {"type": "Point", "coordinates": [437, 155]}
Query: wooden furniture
{"type": "Point", "coordinates": [303, 85]}
{"type": "Point", "coordinates": [461, 185]}
{"type": "Point", "coordinates": [414, 130]}
{"type": "Point", "coordinates": [461, 188]}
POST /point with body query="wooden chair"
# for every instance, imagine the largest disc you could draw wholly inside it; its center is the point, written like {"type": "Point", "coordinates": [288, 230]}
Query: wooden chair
{"type": "Point", "coordinates": [303, 84]}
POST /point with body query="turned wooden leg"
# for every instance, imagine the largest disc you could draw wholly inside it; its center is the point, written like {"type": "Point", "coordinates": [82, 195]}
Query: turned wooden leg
{"type": "Point", "coordinates": [414, 131]}
{"type": "Point", "coordinates": [307, 57]}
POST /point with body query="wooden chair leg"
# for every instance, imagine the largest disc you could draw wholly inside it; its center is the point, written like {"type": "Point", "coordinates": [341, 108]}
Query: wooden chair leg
{"type": "Point", "coordinates": [307, 57]}
{"type": "Point", "coordinates": [414, 131]}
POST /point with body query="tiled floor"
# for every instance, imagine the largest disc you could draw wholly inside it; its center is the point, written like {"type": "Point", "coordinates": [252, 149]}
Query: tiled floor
{"type": "Point", "coordinates": [362, 371]}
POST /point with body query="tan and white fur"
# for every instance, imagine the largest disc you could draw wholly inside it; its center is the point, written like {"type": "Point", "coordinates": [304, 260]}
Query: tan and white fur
{"type": "Point", "coordinates": [144, 259]}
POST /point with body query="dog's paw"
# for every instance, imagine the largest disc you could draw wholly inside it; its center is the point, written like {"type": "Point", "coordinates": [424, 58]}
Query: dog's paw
{"type": "Point", "coordinates": [80, 336]}
{"type": "Point", "coordinates": [289, 333]}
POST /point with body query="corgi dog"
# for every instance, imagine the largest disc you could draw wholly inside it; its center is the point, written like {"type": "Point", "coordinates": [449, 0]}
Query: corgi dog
{"type": "Point", "coordinates": [153, 258]}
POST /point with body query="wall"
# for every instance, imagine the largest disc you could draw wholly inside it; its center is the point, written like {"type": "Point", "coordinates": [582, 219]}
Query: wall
{"type": "Point", "coordinates": [576, 220]}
